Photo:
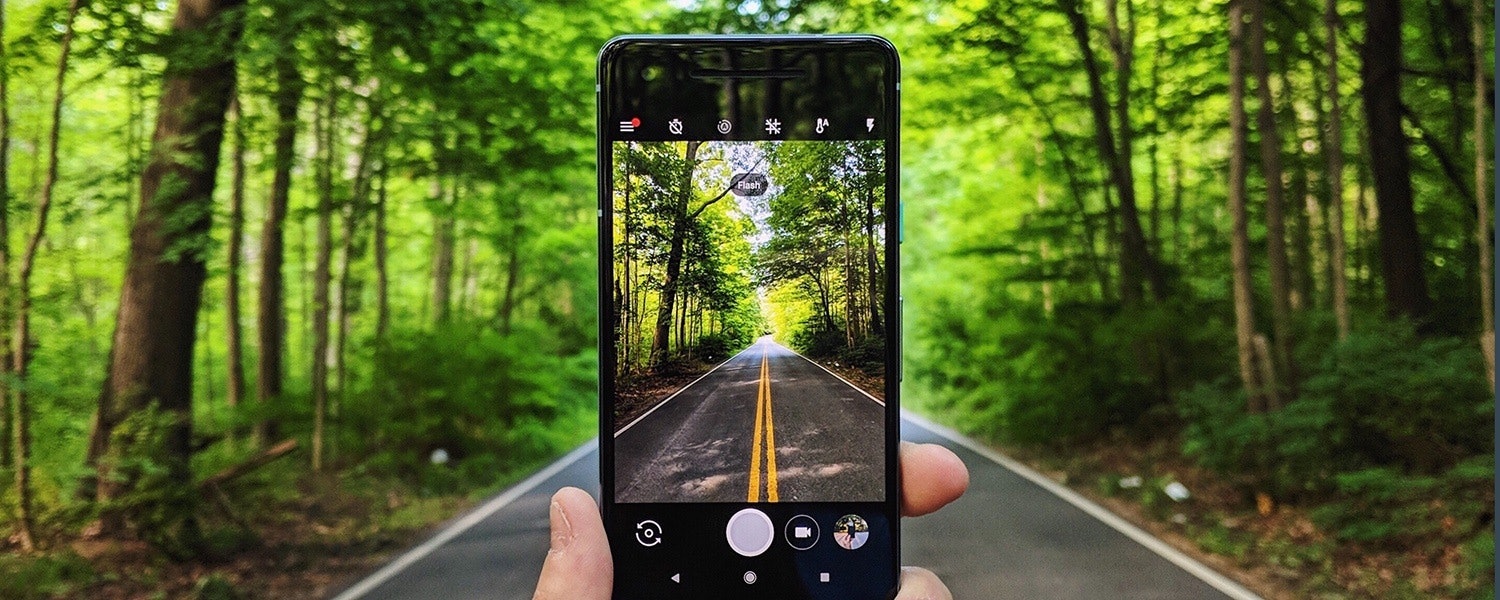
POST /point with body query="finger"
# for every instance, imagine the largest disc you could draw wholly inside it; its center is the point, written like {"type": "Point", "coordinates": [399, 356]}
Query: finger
{"type": "Point", "coordinates": [931, 477]}
{"type": "Point", "coordinates": [578, 565]}
{"type": "Point", "coordinates": [920, 584]}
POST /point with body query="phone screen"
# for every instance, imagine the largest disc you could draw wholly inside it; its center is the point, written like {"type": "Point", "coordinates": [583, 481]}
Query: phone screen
{"type": "Point", "coordinates": [750, 317]}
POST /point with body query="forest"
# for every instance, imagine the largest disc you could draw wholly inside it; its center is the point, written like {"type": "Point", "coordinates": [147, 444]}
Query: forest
{"type": "Point", "coordinates": [700, 273]}
{"type": "Point", "coordinates": [282, 284]}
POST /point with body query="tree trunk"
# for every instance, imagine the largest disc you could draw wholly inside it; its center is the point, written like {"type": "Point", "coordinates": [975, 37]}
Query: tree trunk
{"type": "Point", "coordinates": [1333, 150]}
{"type": "Point", "coordinates": [443, 246]}
{"type": "Point", "coordinates": [1399, 244]}
{"type": "Point", "coordinates": [512, 280]}
{"type": "Point", "coordinates": [21, 334]}
{"type": "Point", "coordinates": [470, 277]}
{"type": "Point", "coordinates": [872, 260]}
{"type": "Point", "coordinates": [1137, 263]}
{"type": "Point", "coordinates": [382, 269]}
{"type": "Point", "coordinates": [6, 457]}
{"type": "Point", "coordinates": [1484, 230]}
{"type": "Point", "coordinates": [663, 335]}
{"type": "Point", "coordinates": [235, 353]}
{"type": "Point", "coordinates": [1244, 307]}
{"type": "Point", "coordinates": [152, 356]}
{"type": "Point", "coordinates": [271, 323]}
{"type": "Point", "coordinates": [1271, 170]}
{"type": "Point", "coordinates": [322, 277]}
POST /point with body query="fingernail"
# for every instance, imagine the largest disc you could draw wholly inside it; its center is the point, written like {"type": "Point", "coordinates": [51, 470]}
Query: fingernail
{"type": "Point", "coordinates": [562, 531]}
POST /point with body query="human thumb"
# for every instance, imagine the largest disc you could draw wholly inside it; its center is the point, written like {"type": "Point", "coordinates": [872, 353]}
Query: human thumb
{"type": "Point", "coordinates": [578, 565]}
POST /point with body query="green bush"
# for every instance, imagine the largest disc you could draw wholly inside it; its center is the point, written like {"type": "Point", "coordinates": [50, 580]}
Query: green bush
{"type": "Point", "coordinates": [485, 399]}
{"type": "Point", "coordinates": [45, 576]}
{"type": "Point", "coordinates": [1382, 399]}
{"type": "Point", "coordinates": [1010, 369]}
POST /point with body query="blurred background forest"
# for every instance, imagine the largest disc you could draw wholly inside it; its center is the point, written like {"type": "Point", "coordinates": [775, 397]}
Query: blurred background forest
{"type": "Point", "coordinates": [286, 282]}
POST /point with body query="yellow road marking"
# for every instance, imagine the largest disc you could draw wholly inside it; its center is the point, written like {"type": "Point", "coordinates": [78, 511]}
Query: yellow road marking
{"type": "Point", "coordinates": [771, 493]}
{"type": "Point", "coordinates": [760, 394]}
{"type": "Point", "coordinates": [765, 428]}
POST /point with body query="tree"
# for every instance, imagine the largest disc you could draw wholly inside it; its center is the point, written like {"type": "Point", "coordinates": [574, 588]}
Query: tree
{"type": "Point", "coordinates": [1137, 264]}
{"type": "Point", "coordinates": [1333, 151]}
{"type": "Point", "coordinates": [1484, 230]}
{"type": "Point", "coordinates": [235, 383]}
{"type": "Point", "coordinates": [1399, 244]}
{"type": "Point", "coordinates": [21, 332]}
{"type": "Point", "coordinates": [1271, 170]}
{"type": "Point", "coordinates": [5, 258]}
{"type": "Point", "coordinates": [271, 304]}
{"type": "Point", "coordinates": [322, 274]}
{"type": "Point", "coordinates": [152, 362]}
{"type": "Point", "coordinates": [1256, 390]}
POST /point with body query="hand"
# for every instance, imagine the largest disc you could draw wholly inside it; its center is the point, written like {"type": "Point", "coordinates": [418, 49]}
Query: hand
{"type": "Point", "coordinates": [578, 564]}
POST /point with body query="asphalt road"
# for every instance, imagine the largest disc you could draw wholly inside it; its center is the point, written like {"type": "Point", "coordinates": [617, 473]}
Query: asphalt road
{"type": "Point", "coordinates": [1015, 534]}
{"type": "Point", "coordinates": [765, 425]}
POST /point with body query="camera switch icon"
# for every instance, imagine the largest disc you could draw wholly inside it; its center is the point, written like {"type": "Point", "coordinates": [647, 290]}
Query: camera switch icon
{"type": "Point", "coordinates": [648, 533]}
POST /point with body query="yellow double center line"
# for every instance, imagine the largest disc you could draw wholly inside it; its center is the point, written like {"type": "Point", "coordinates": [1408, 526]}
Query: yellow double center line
{"type": "Point", "coordinates": [764, 429]}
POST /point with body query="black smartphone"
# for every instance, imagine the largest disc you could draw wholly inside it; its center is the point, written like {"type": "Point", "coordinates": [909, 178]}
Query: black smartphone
{"type": "Point", "coordinates": [750, 320]}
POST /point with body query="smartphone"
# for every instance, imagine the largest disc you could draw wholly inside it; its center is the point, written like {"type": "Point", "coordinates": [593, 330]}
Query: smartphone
{"type": "Point", "coordinates": [750, 322]}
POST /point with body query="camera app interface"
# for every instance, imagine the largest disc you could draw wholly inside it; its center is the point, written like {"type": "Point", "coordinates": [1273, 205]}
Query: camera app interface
{"type": "Point", "coordinates": [748, 321]}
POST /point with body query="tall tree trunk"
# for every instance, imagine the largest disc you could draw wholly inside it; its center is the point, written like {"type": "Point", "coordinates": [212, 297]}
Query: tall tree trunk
{"type": "Point", "coordinates": [1244, 307]}
{"type": "Point", "coordinates": [236, 360]}
{"type": "Point", "coordinates": [443, 248]}
{"type": "Point", "coordinates": [350, 246]}
{"type": "Point", "coordinates": [1179, 189]}
{"type": "Point", "coordinates": [1271, 170]}
{"type": "Point", "coordinates": [152, 355]}
{"type": "Point", "coordinates": [6, 457]}
{"type": "Point", "coordinates": [382, 269]}
{"type": "Point", "coordinates": [1484, 230]}
{"type": "Point", "coordinates": [663, 336]}
{"type": "Point", "coordinates": [21, 333]}
{"type": "Point", "coordinates": [1400, 245]}
{"type": "Point", "coordinates": [470, 276]}
{"type": "Point", "coordinates": [1137, 263]}
{"type": "Point", "coordinates": [271, 325]}
{"type": "Point", "coordinates": [872, 266]}
{"type": "Point", "coordinates": [512, 281]}
{"type": "Point", "coordinates": [322, 277]}
{"type": "Point", "coordinates": [1333, 150]}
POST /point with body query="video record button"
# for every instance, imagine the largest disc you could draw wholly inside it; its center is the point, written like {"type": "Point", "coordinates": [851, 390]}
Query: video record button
{"type": "Point", "coordinates": [802, 532]}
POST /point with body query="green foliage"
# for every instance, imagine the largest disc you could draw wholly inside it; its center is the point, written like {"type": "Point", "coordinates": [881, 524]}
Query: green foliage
{"type": "Point", "coordinates": [44, 576]}
{"type": "Point", "coordinates": [1388, 506]}
{"type": "Point", "coordinates": [1072, 375]}
{"type": "Point", "coordinates": [156, 503]}
{"type": "Point", "coordinates": [1383, 398]}
{"type": "Point", "coordinates": [485, 399]}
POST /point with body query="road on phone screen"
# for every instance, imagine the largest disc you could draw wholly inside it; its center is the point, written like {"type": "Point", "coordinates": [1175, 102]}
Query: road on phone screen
{"type": "Point", "coordinates": [1015, 534]}
{"type": "Point", "coordinates": [767, 425]}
